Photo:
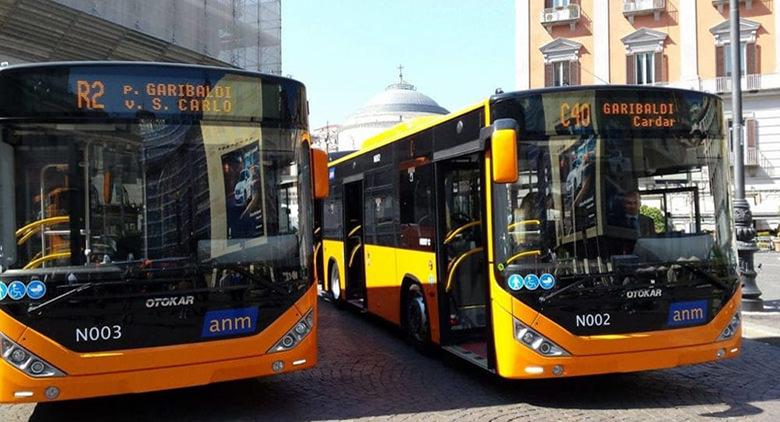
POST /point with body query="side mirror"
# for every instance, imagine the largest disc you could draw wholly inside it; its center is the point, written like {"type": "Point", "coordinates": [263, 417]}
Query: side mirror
{"type": "Point", "coordinates": [504, 151]}
{"type": "Point", "coordinates": [319, 168]}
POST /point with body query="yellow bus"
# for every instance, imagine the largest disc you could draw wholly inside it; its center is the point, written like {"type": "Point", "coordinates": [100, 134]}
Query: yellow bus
{"type": "Point", "coordinates": [544, 233]}
{"type": "Point", "coordinates": [155, 228]}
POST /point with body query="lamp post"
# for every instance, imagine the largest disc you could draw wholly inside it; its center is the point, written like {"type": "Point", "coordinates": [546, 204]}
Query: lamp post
{"type": "Point", "coordinates": [743, 218]}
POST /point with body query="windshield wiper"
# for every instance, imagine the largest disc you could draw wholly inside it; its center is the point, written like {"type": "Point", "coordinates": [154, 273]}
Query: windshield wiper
{"type": "Point", "coordinates": [255, 278]}
{"type": "Point", "coordinates": [32, 308]}
{"type": "Point", "coordinates": [584, 278]}
{"type": "Point", "coordinates": [707, 276]}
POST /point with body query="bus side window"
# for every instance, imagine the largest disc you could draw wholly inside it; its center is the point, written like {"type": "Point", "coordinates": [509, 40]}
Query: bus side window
{"type": "Point", "coordinates": [416, 207]}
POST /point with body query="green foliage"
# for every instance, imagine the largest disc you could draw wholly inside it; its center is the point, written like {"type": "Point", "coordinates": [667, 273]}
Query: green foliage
{"type": "Point", "coordinates": [657, 216]}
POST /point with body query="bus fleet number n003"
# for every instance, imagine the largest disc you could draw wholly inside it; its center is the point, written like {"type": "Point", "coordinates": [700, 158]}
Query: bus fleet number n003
{"type": "Point", "coordinates": [102, 333]}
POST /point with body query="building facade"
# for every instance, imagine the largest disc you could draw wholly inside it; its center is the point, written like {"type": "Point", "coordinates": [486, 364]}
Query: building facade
{"type": "Point", "coordinates": [678, 43]}
{"type": "Point", "coordinates": [239, 33]}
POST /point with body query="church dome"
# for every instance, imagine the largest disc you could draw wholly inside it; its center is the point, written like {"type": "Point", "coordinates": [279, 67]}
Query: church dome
{"type": "Point", "coordinates": [399, 102]}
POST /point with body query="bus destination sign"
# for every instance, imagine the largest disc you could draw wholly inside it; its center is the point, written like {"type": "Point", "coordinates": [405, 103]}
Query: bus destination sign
{"type": "Point", "coordinates": [155, 97]}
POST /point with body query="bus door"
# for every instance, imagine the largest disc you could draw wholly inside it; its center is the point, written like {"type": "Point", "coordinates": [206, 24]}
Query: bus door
{"type": "Point", "coordinates": [462, 274]}
{"type": "Point", "coordinates": [355, 280]}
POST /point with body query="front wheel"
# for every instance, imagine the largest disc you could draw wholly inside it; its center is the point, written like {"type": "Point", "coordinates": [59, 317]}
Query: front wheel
{"type": "Point", "coordinates": [416, 319]}
{"type": "Point", "coordinates": [334, 282]}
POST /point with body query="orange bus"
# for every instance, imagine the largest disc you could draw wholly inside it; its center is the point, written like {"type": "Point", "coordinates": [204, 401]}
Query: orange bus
{"type": "Point", "coordinates": [545, 233]}
{"type": "Point", "coordinates": [155, 228]}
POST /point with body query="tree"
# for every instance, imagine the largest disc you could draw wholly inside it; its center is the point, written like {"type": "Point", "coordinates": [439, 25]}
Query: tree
{"type": "Point", "coordinates": [657, 216]}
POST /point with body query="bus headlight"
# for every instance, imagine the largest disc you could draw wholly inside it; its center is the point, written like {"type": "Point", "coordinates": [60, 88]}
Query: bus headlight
{"type": "Point", "coordinates": [731, 328]}
{"type": "Point", "coordinates": [298, 332]}
{"type": "Point", "coordinates": [537, 342]}
{"type": "Point", "coordinates": [21, 359]}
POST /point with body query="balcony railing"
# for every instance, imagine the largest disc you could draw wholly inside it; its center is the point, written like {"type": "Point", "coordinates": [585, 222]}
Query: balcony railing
{"type": "Point", "coordinates": [561, 15]}
{"type": "Point", "coordinates": [721, 3]}
{"type": "Point", "coordinates": [749, 83]}
{"type": "Point", "coordinates": [633, 8]}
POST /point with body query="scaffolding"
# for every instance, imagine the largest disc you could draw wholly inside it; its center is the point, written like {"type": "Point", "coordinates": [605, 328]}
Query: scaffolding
{"type": "Point", "coordinates": [242, 33]}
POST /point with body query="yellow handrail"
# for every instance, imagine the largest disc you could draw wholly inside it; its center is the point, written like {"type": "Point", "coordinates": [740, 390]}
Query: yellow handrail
{"type": "Point", "coordinates": [353, 231]}
{"type": "Point", "coordinates": [523, 222]}
{"type": "Point", "coordinates": [354, 251]}
{"type": "Point", "coordinates": [534, 252]}
{"type": "Point", "coordinates": [457, 262]}
{"type": "Point", "coordinates": [46, 221]}
{"type": "Point", "coordinates": [51, 257]}
{"type": "Point", "coordinates": [451, 235]}
{"type": "Point", "coordinates": [316, 252]}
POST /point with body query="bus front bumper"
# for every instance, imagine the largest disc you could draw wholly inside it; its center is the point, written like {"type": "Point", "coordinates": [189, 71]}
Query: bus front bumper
{"type": "Point", "coordinates": [523, 363]}
{"type": "Point", "coordinates": [16, 387]}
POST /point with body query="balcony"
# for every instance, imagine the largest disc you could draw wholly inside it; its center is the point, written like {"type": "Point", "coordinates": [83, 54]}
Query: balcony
{"type": "Point", "coordinates": [555, 16]}
{"type": "Point", "coordinates": [721, 3]}
{"type": "Point", "coordinates": [749, 83]}
{"type": "Point", "coordinates": [633, 8]}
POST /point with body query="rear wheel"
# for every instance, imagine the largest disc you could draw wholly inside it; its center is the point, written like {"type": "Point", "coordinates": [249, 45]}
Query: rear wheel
{"type": "Point", "coordinates": [416, 320]}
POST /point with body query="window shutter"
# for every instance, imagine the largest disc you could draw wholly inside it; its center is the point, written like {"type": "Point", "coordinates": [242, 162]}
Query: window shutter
{"type": "Point", "coordinates": [660, 69]}
{"type": "Point", "coordinates": [630, 71]}
{"type": "Point", "coordinates": [750, 60]}
{"type": "Point", "coordinates": [548, 74]}
{"type": "Point", "coordinates": [752, 132]}
{"type": "Point", "coordinates": [719, 70]}
{"type": "Point", "coordinates": [574, 73]}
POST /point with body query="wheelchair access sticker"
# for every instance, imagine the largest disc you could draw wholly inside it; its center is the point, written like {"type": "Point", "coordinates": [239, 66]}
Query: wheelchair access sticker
{"type": "Point", "coordinates": [531, 281]}
{"type": "Point", "coordinates": [3, 290]}
{"type": "Point", "coordinates": [16, 290]}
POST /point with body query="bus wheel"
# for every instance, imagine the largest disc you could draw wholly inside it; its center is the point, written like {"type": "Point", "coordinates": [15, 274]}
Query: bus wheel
{"type": "Point", "coordinates": [335, 284]}
{"type": "Point", "coordinates": [416, 319]}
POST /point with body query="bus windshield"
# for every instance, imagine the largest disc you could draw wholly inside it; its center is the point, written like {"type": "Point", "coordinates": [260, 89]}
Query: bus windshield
{"type": "Point", "coordinates": [95, 196]}
{"type": "Point", "coordinates": [609, 208]}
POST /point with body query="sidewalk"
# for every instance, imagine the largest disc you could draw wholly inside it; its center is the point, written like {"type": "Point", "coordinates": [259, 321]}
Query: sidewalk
{"type": "Point", "coordinates": [765, 326]}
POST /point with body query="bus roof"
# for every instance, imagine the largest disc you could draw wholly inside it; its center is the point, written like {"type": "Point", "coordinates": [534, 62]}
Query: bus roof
{"type": "Point", "coordinates": [404, 129]}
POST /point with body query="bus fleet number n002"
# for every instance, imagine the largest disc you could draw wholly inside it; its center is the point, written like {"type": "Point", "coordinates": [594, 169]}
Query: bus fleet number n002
{"type": "Point", "coordinates": [593, 320]}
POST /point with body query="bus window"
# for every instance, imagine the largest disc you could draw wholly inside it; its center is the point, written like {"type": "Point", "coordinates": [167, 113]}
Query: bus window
{"type": "Point", "coordinates": [416, 207]}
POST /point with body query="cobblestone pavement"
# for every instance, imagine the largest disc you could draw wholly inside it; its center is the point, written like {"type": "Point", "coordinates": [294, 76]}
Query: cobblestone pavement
{"type": "Point", "coordinates": [367, 371]}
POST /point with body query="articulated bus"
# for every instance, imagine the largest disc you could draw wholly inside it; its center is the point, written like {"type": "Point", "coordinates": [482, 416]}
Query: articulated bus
{"type": "Point", "coordinates": [545, 233]}
{"type": "Point", "coordinates": [155, 228]}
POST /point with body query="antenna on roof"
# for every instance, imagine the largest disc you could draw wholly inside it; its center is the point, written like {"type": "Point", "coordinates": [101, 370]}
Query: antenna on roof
{"type": "Point", "coordinates": [401, 72]}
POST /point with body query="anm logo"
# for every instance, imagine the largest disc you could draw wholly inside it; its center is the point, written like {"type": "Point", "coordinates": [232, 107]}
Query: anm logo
{"type": "Point", "coordinates": [229, 322]}
{"type": "Point", "coordinates": [687, 313]}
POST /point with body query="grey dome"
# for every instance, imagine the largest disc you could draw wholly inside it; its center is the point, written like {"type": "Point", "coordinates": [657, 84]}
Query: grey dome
{"type": "Point", "coordinates": [397, 103]}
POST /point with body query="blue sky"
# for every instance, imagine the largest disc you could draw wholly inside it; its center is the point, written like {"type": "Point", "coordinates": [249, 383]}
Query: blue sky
{"type": "Point", "coordinates": [456, 51]}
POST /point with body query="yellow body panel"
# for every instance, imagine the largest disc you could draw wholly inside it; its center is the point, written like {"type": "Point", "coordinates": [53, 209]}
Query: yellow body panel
{"type": "Point", "coordinates": [382, 285]}
{"type": "Point", "coordinates": [333, 251]}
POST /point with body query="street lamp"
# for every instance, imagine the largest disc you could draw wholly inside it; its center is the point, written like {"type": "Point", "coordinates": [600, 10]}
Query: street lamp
{"type": "Point", "coordinates": [743, 218]}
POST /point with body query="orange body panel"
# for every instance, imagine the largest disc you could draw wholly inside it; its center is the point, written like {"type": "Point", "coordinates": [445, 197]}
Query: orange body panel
{"type": "Point", "coordinates": [158, 368]}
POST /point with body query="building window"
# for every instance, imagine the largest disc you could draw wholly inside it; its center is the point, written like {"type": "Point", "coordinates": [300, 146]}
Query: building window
{"type": "Point", "coordinates": [563, 73]}
{"type": "Point", "coordinates": [644, 57]}
{"type": "Point", "coordinates": [645, 68]}
{"type": "Point", "coordinates": [561, 62]}
{"type": "Point", "coordinates": [556, 3]}
{"type": "Point", "coordinates": [749, 54]}
{"type": "Point", "coordinates": [747, 59]}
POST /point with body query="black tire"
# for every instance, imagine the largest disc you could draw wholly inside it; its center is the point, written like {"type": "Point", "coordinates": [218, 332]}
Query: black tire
{"type": "Point", "coordinates": [334, 289]}
{"type": "Point", "coordinates": [417, 325]}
